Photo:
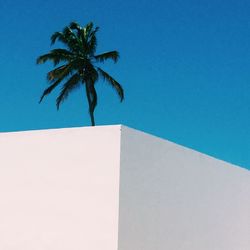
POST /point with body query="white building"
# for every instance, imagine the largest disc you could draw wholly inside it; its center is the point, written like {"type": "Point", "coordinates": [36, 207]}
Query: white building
{"type": "Point", "coordinates": [115, 188]}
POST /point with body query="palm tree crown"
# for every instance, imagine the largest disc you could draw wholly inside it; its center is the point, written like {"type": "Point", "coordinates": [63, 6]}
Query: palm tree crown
{"type": "Point", "coordinates": [76, 64]}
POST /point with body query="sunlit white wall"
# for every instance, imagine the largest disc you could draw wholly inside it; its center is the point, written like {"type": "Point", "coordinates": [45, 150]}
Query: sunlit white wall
{"type": "Point", "coordinates": [59, 189]}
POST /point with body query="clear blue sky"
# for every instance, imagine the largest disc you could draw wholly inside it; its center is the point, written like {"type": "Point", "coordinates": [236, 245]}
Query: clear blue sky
{"type": "Point", "coordinates": [185, 68]}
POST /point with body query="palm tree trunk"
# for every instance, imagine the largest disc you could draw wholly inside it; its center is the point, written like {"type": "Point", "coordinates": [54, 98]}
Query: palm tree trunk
{"type": "Point", "coordinates": [92, 118]}
{"type": "Point", "coordinates": [91, 113]}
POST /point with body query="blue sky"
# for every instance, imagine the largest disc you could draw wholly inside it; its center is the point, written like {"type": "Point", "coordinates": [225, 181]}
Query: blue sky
{"type": "Point", "coordinates": [185, 68]}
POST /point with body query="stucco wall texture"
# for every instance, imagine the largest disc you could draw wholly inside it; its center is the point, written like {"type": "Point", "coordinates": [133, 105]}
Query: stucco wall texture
{"type": "Point", "coordinates": [116, 188]}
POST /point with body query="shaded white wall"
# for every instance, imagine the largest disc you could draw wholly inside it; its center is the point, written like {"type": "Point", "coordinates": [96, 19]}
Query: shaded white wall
{"type": "Point", "coordinates": [59, 189]}
{"type": "Point", "coordinates": [175, 198]}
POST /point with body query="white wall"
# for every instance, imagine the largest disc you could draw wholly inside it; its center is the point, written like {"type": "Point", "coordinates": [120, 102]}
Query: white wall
{"type": "Point", "coordinates": [178, 199]}
{"type": "Point", "coordinates": [59, 189]}
{"type": "Point", "coordinates": [63, 189]}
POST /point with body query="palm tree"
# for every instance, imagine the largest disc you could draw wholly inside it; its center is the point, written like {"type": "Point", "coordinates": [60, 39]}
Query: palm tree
{"type": "Point", "coordinates": [76, 65]}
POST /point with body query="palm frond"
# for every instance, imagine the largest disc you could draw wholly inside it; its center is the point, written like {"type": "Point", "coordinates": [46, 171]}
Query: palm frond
{"type": "Point", "coordinates": [77, 28]}
{"type": "Point", "coordinates": [55, 77]}
{"type": "Point", "coordinates": [74, 42]}
{"type": "Point", "coordinates": [92, 41]}
{"type": "Point", "coordinates": [56, 56]}
{"type": "Point", "coordinates": [68, 87]}
{"type": "Point", "coordinates": [67, 32]}
{"type": "Point", "coordinates": [88, 38]}
{"type": "Point", "coordinates": [62, 52]}
{"type": "Point", "coordinates": [57, 36]}
{"type": "Point", "coordinates": [112, 82]}
{"type": "Point", "coordinates": [90, 31]}
{"type": "Point", "coordinates": [91, 45]}
{"type": "Point", "coordinates": [59, 72]}
{"type": "Point", "coordinates": [74, 26]}
{"type": "Point", "coordinates": [50, 89]}
{"type": "Point", "coordinates": [87, 30]}
{"type": "Point", "coordinates": [113, 55]}
{"type": "Point", "coordinates": [68, 38]}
